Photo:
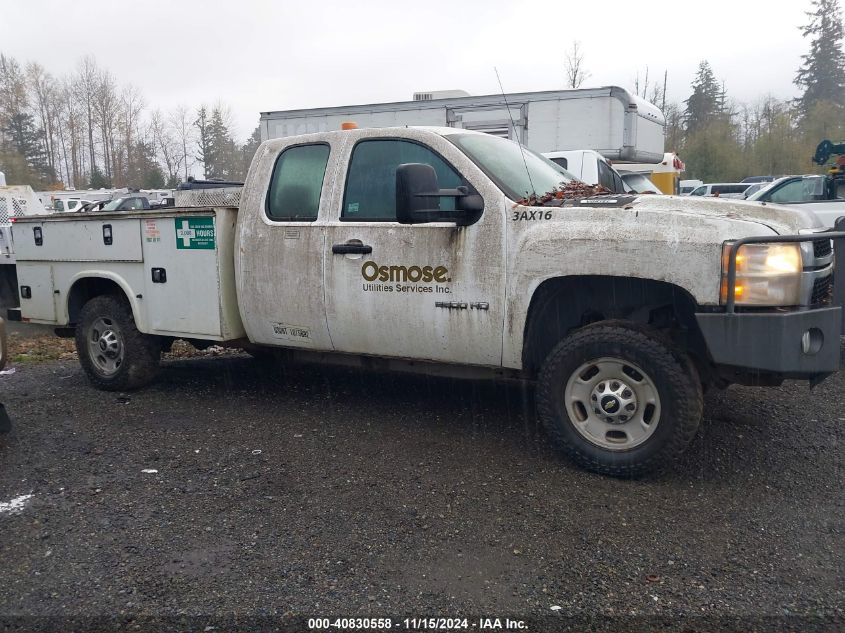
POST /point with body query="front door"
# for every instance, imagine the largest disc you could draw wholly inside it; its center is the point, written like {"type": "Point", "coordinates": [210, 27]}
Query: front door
{"type": "Point", "coordinates": [425, 291]}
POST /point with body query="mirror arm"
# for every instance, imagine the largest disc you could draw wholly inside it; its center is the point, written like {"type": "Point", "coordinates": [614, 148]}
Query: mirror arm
{"type": "Point", "coordinates": [444, 193]}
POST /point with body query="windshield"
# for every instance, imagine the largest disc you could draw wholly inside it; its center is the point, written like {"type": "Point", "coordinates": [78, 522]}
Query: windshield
{"type": "Point", "coordinates": [509, 166]}
{"type": "Point", "coordinates": [791, 190]}
{"type": "Point", "coordinates": [112, 205]}
{"type": "Point", "coordinates": [640, 183]}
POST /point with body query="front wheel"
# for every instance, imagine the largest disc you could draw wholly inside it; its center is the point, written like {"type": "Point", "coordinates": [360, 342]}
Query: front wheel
{"type": "Point", "coordinates": [619, 400]}
{"type": "Point", "coordinates": [114, 354]}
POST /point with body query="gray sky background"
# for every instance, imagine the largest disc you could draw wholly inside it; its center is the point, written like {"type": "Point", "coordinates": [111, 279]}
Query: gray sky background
{"type": "Point", "coordinates": [259, 55]}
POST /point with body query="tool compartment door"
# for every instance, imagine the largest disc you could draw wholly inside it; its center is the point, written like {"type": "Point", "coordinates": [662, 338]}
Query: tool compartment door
{"type": "Point", "coordinates": [38, 279]}
{"type": "Point", "coordinates": [78, 240]}
{"type": "Point", "coordinates": [185, 298]}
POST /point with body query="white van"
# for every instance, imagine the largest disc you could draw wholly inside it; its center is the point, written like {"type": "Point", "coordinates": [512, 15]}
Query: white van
{"type": "Point", "coordinates": [588, 166]}
{"type": "Point", "coordinates": [722, 189]}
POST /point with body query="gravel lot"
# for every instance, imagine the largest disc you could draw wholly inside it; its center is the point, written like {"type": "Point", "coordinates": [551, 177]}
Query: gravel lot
{"type": "Point", "coordinates": [314, 491]}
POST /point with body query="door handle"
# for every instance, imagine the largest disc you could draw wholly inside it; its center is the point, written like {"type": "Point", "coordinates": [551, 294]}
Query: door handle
{"type": "Point", "coordinates": [352, 247]}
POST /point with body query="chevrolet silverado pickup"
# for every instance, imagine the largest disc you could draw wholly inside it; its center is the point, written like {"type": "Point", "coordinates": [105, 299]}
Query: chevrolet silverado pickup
{"type": "Point", "coordinates": [448, 250]}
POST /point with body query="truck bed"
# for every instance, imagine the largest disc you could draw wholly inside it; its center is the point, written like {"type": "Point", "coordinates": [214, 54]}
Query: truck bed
{"type": "Point", "coordinates": [194, 296]}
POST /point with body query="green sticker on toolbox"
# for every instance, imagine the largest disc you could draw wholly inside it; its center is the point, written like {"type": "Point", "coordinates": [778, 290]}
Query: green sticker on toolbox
{"type": "Point", "coordinates": [194, 233]}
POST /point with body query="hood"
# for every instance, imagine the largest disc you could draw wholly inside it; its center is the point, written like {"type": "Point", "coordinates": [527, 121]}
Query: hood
{"type": "Point", "coordinates": [784, 220]}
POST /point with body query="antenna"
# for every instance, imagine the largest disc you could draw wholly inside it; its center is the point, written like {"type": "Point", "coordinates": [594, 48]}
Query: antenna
{"type": "Point", "coordinates": [513, 124]}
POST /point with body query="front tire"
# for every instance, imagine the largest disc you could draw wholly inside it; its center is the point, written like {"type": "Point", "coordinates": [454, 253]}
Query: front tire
{"type": "Point", "coordinates": [114, 354]}
{"type": "Point", "coordinates": [619, 400]}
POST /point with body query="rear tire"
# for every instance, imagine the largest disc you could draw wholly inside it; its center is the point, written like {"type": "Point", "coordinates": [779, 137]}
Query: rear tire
{"type": "Point", "coordinates": [114, 354]}
{"type": "Point", "coordinates": [619, 400]}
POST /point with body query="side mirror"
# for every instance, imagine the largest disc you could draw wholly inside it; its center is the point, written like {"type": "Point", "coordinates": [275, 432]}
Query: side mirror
{"type": "Point", "coordinates": [413, 182]}
{"type": "Point", "coordinates": [418, 198]}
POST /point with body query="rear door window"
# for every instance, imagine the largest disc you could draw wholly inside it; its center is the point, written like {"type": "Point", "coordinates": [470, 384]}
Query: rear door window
{"type": "Point", "coordinates": [297, 183]}
{"type": "Point", "coordinates": [728, 189]}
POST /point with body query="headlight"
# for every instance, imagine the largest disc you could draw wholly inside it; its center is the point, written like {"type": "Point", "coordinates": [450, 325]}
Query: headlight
{"type": "Point", "coordinates": [766, 274]}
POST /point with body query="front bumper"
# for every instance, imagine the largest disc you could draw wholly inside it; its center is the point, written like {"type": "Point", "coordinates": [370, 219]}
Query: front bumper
{"type": "Point", "coordinates": [799, 344]}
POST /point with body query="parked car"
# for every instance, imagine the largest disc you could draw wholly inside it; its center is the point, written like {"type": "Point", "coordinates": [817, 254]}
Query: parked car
{"type": "Point", "coordinates": [754, 188]}
{"type": "Point", "coordinates": [126, 203]}
{"type": "Point", "coordinates": [69, 204]}
{"type": "Point", "coordinates": [721, 190]}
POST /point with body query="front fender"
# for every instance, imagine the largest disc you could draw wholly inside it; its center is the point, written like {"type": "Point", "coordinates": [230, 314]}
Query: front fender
{"type": "Point", "coordinates": [676, 248]}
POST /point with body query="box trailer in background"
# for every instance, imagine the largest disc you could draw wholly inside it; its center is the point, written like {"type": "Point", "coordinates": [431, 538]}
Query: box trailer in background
{"type": "Point", "coordinates": [610, 120]}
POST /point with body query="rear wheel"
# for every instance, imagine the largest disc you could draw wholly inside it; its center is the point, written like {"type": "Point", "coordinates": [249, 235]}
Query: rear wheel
{"type": "Point", "coordinates": [114, 354]}
{"type": "Point", "coordinates": [619, 400]}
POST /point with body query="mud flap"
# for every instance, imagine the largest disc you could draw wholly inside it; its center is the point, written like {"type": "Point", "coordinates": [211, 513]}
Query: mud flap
{"type": "Point", "coordinates": [5, 421]}
{"type": "Point", "coordinates": [818, 379]}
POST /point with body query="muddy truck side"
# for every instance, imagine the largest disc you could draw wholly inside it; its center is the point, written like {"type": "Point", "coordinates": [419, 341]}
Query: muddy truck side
{"type": "Point", "coordinates": [427, 249]}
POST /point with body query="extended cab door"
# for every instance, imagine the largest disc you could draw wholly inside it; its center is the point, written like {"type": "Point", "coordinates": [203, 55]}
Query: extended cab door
{"type": "Point", "coordinates": [425, 291]}
{"type": "Point", "coordinates": [280, 244]}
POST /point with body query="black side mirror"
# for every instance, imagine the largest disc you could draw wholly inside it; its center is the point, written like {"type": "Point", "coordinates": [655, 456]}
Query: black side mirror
{"type": "Point", "coordinates": [413, 181]}
{"type": "Point", "coordinates": [418, 198]}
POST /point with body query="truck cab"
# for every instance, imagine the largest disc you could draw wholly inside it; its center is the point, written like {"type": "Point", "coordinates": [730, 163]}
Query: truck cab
{"type": "Point", "coordinates": [823, 195]}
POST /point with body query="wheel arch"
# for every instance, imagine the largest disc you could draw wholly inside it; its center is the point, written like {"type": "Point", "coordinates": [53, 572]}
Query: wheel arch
{"type": "Point", "coordinates": [562, 304]}
{"type": "Point", "coordinates": [85, 286]}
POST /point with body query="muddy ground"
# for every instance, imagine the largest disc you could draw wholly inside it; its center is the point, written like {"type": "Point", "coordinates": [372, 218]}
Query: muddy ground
{"type": "Point", "coordinates": [235, 487]}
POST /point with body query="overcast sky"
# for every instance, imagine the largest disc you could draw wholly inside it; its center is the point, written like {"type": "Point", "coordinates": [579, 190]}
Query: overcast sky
{"type": "Point", "coordinates": [258, 55]}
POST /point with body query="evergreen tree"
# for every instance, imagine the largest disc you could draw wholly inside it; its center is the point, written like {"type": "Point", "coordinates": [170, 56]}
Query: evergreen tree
{"type": "Point", "coordinates": [98, 179]}
{"type": "Point", "coordinates": [705, 103]}
{"type": "Point", "coordinates": [205, 142]}
{"type": "Point", "coordinates": [822, 75]}
{"type": "Point", "coordinates": [25, 139]}
{"type": "Point", "coordinates": [218, 151]}
{"type": "Point", "coordinates": [248, 151]}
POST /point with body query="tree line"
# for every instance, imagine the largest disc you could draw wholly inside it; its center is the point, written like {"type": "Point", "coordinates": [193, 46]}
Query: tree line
{"type": "Point", "coordinates": [724, 140]}
{"type": "Point", "coordinates": [85, 130]}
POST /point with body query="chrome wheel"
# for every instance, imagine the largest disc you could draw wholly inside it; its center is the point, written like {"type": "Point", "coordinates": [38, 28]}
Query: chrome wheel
{"type": "Point", "coordinates": [105, 346]}
{"type": "Point", "coordinates": [612, 403]}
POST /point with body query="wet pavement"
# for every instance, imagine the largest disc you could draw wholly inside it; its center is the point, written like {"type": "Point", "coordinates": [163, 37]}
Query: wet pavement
{"type": "Point", "coordinates": [235, 487]}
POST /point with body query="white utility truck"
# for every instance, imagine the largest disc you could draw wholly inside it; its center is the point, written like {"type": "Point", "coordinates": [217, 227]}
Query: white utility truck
{"type": "Point", "coordinates": [441, 249]}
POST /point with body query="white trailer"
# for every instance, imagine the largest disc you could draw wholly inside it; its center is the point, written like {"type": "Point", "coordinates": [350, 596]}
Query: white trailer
{"type": "Point", "coordinates": [610, 120]}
